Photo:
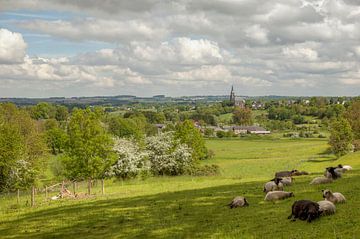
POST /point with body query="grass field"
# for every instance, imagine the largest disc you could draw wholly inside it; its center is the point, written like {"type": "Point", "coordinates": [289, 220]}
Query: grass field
{"type": "Point", "coordinates": [195, 207]}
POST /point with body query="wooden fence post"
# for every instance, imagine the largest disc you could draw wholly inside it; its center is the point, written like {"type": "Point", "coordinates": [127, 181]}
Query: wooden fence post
{"type": "Point", "coordinates": [46, 193]}
{"type": "Point", "coordinates": [33, 196]}
{"type": "Point", "coordinates": [89, 186]}
{"type": "Point", "coordinates": [74, 187]}
{"type": "Point", "coordinates": [102, 186]}
{"type": "Point", "coordinates": [18, 196]}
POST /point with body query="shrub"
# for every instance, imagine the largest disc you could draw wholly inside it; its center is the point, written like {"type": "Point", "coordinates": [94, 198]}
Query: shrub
{"type": "Point", "coordinates": [206, 170]}
{"type": "Point", "coordinates": [167, 155]}
{"type": "Point", "coordinates": [356, 144]}
{"type": "Point", "coordinates": [131, 160]}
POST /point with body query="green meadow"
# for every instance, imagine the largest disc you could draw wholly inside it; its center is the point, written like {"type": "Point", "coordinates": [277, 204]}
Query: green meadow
{"type": "Point", "coordinates": [196, 207]}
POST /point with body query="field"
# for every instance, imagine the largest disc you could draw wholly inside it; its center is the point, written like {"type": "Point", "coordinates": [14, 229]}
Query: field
{"type": "Point", "coordinates": [195, 207]}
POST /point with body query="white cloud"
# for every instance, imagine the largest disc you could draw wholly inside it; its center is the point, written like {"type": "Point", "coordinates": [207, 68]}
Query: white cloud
{"type": "Point", "coordinates": [300, 52]}
{"type": "Point", "coordinates": [257, 33]}
{"type": "Point", "coordinates": [12, 47]}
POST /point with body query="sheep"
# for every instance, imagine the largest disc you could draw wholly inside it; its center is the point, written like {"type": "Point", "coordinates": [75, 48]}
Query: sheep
{"type": "Point", "coordinates": [278, 195]}
{"type": "Point", "coordinates": [347, 167]}
{"type": "Point", "coordinates": [287, 181]}
{"type": "Point", "coordinates": [332, 172]}
{"type": "Point", "coordinates": [321, 180]}
{"type": "Point", "coordinates": [333, 197]}
{"type": "Point", "coordinates": [299, 173]}
{"type": "Point", "coordinates": [275, 185]}
{"type": "Point", "coordinates": [285, 173]}
{"type": "Point", "coordinates": [304, 210]}
{"type": "Point", "coordinates": [326, 207]}
{"type": "Point", "coordinates": [238, 202]}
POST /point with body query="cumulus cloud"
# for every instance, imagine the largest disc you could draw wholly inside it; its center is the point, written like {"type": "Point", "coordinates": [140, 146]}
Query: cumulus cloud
{"type": "Point", "coordinates": [12, 47]}
{"type": "Point", "coordinates": [188, 47]}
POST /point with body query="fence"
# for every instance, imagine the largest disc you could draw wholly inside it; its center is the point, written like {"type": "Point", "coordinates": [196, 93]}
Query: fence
{"type": "Point", "coordinates": [37, 196]}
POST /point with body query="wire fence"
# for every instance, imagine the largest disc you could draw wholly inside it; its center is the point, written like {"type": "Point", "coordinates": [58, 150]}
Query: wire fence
{"type": "Point", "coordinates": [41, 195]}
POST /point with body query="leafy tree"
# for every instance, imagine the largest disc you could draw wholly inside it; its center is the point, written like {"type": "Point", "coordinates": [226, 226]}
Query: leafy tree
{"type": "Point", "coordinates": [131, 161]}
{"type": "Point", "coordinates": [43, 110]}
{"type": "Point", "coordinates": [125, 128]}
{"type": "Point", "coordinates": [167, 155]}
{"type": "Point", "coordinates": [352, 114]}
{"type": "Point", "coordinates": [242, 116]}
{"type": "Point", "coordinates": [340, 137]}
{"type": "Point", "coordinates": [89, 151]}
{"type": "Point", "coordinates": [298, 119]}
{"type": "Point", "coordinates": [22, 148]}
{"type": "Point", "coordinates": [61, 113]}
{"type": "Point", "coordinates": [56, 137]}
{"type": "Point", "coordinates": [188, 134]}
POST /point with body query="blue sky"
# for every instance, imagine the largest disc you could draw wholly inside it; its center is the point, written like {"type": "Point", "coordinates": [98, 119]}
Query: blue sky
{"type": "Point", "coordinates": [149, 47]}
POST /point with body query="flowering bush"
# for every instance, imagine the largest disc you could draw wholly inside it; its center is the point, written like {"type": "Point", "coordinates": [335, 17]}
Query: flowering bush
{"type": "Point", "coordinates": [131, 160]}
{"type": "Point", "coordinates": [168, 156]}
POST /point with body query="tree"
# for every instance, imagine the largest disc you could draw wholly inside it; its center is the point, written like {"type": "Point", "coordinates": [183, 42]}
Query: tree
{"type": "Point", "coordinates": [22, 148]}
{"type": "Point", "coordinates": [61, 113]}
{"type": "Point", "coordinates": [43, 110]}
{"type": "Point", "coordinates": [56, 137]}
{"type": "Point", "coordinates": [167, 155]}
{"type": "Point", "coordinates": [352, 114]}
{"type": "Point", "coordinates": [188, 134]}
{"type": "Point", "coordinates": [89, 151]}
{"type": "Point", "coordinates": [125, 128]}
{"type": "Point", "coordinates": [242, 116]}
{"type": "Point", "coordinates": [131, 161]}
{"type": "Point", "coordinates": [340, 137]}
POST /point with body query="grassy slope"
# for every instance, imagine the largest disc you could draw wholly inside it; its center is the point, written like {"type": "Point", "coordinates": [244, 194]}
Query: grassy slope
{"type": "Point", "coordinates": [186, 207]}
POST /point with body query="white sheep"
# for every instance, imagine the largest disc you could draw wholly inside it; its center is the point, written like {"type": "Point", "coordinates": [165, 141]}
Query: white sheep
{"type": "Point", "coordinates": [238, 202]}
{"type": "Point", "coordinates": [321, 180]}
{"type": "Point", "coordinates": [333, 197]}
{"type": "Point", "coordinates": [274, 185]}
{"type": "Point", "coordinates": [326, 207]}
{"type": "Point", "coordinates": [278, 195]}
{"type": "Point", "coordinates": [347, 167]}
{"type": "Point", "coordinates": [287, 181]}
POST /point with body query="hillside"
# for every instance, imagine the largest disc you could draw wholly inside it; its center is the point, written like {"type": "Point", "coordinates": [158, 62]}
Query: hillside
{"type": "Point", "coordinates": [195, 207]}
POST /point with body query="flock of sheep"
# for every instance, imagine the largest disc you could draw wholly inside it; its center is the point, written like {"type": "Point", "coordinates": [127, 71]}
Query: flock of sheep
{"type": "Point", "coordinates": [302, 209]}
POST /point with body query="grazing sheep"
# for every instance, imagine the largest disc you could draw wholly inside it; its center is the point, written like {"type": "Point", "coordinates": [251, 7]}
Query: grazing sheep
{"type": "Point", "coordinates": [304, 210]}
{"type": "Point", "coordinates": [333, 197]}
{"type": "Point", "coordinates": [347, 167]}
{"type": "Point", "coordinates": [332, 172]}
{"type": "Point", "coordinates": [238, 202]}
{"type": "Point", "coordinates": [285, 173]}
{"type": "Point", "coordinates": [278, 195]}
{"type": "Point", "coordinates": [326, 207]}
{"type": "Point", "coordinates": [321, 180]}
{"type": "Point", "coordinates": [299, 173]}
{"type": "Point", "coordinates": [275, 185]}
{"type": "Point", "coordinates": [287, 181]}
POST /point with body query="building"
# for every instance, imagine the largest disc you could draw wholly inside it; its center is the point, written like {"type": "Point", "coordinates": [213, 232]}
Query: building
{"type": "Point", "coordinates": [236, 101]}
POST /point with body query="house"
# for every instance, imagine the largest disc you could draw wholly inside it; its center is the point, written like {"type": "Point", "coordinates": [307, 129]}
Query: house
{"type": "Point", "coordinates": [250, 130]}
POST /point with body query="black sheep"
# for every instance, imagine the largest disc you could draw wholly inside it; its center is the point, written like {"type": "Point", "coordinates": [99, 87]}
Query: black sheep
{"type": "Point", "coordinates": [304, 210]}
{"type": "Point", "coordinates": [285, 173]}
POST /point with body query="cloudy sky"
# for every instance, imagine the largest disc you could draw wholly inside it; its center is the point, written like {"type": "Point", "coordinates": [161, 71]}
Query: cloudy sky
{"type": "Point", "coordinates": [184, 47]}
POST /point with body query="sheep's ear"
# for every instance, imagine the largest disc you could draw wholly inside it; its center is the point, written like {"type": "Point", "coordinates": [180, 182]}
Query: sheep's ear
{"type": "Point", "coordinates": [322, 190]}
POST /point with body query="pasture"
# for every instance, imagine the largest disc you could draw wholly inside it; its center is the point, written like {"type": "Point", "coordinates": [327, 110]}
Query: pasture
{"type": "Point", "coordinates": [195, 207]}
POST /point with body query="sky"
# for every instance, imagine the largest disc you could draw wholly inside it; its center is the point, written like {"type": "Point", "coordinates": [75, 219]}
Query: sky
{"type": "Point", "coordinates": [178, 48]}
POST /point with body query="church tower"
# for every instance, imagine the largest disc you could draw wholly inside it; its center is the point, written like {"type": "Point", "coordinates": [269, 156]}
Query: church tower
{"type": "Point", "coordinates": [232, 95]}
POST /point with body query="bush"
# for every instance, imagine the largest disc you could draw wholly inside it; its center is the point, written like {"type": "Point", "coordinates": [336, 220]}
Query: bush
{"type": "Point", "coordinates": [167, 155]}
{"type": "Point", "coordinates": [220, 134]}
{"type": "Point", "coordinates": [131, 160]}
{"type": "Point", "coordinates": [356, 144]}
{"type": "Point", "coordinates": [210, 154]}
{"type": "Point", "coordinates": [206, 170]}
